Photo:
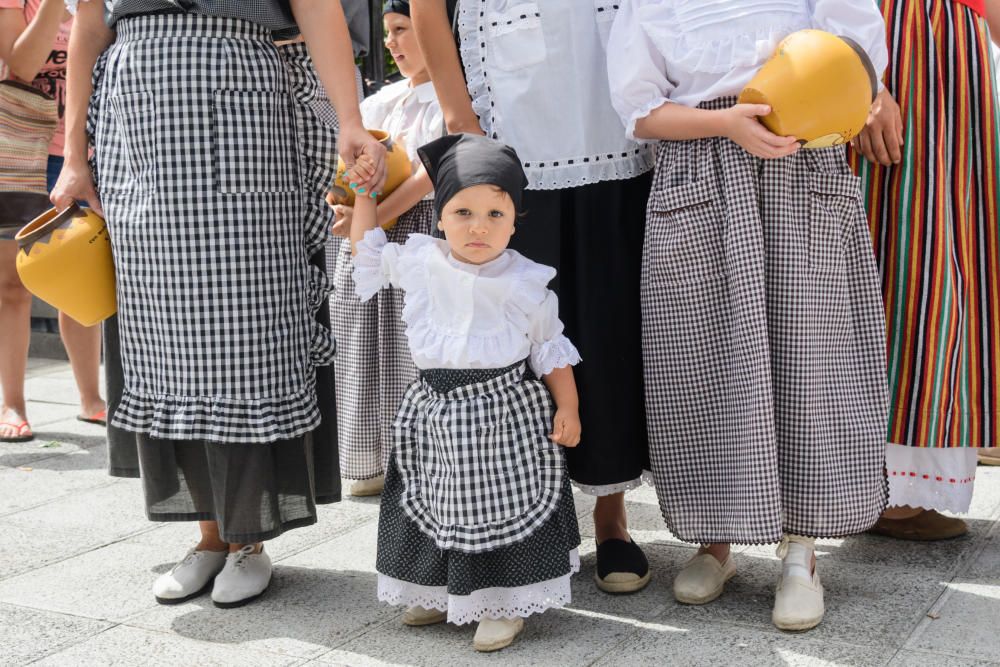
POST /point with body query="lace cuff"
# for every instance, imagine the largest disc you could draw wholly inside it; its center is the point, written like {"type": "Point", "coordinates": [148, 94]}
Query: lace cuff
{"type": "Point", "coordinates": [550, 355]}
{"type": "Point", "coordinates": [642, 112]}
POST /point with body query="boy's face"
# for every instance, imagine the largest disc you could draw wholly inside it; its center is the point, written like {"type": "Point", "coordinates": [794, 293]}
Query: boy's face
{"type": "Point", "coordinates": [478, 223]}
{"type": "Point", "coordinates": [402, 44]}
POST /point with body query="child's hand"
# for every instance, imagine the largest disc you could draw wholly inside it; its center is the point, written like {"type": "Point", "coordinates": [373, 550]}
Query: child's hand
{"type": "Point", "coordinates": [566, 428]}
{"type": "Point", "coordinates": [342, 221]}
{"type": "Point", "coordinates": [741, 125]}
{"type": "Point", "coordinates": [363, 170]}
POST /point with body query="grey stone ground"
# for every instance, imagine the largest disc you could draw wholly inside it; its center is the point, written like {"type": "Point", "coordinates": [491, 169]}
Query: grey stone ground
{"type": "Point", "coordinates": [77, 558]}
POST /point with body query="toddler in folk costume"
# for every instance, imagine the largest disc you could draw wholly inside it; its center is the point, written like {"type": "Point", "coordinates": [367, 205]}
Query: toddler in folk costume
{"type": "Point", "coordinates": [477, 520]}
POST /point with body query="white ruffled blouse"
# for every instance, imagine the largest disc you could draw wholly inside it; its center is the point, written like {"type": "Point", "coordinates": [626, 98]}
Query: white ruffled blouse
{"type": "Point", "coordinates": [461, 315]}
{"type": "Point", "coordinates": [693, 51]}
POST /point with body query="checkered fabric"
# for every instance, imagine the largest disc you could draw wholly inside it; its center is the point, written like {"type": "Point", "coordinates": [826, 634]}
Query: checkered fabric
{"type": "Point", "coordinates": [764, 345]}
{"type": "Point", "coordinates": [477, 465]}
{"type": "Point", "coordinates": [195, 154]}
{"type": "Point", "coordinates": [374, 363]}
{"type": "Point", "coordinates": [274, 15]}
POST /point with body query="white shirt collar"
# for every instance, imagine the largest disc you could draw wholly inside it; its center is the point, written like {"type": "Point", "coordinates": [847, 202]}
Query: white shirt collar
{"type": "Point", "coordinates": [425, 92]}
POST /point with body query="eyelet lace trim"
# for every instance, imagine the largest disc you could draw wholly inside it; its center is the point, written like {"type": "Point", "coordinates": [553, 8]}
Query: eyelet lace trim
{"type": "Point", "coordinates": [520, 601]}
{"type": "Point", "coordinates": [610, 489]}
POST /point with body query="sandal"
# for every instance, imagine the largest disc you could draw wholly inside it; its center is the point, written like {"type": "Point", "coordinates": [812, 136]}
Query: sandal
{"type": "Point", "coordinates": [99, 418]}
{"type": "Point", "coordinates": [22, 429]}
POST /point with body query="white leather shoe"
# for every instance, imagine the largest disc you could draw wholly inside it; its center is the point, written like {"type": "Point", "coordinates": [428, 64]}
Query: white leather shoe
{"type": "Point", "coordinates": [368, 487]}
{"type": "Point", "coordinates": [798, 601]}
{"type": "Point", "coordinates": [703, 579]}
{"type": "Point", "coordinates": [494, 634]}
{"type": "Point", "coordinates": [417, 616]}
{"type": "Point", "coordinates": [244, 578]}
{"type": "Point", "coordinates": [190, 577]}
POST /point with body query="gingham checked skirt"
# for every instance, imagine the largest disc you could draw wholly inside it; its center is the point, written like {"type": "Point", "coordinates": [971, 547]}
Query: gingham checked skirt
{"type": "Point", "coordinates": [478, 469]}
{"type": "Point", "coordinates": [374, 365]}
{"type": "Point", "coordinates": [197, 166]}
{"type": "Point", "coordinates": [764, 345]}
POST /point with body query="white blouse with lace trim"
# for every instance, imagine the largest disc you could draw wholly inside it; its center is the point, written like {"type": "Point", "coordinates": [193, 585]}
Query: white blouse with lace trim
{"type": "Point", "coordinates": [461, 315]}
{"type": "Point", "coordinates": [693, 51]}
{"type": "Point", "coordinates": [534, 73]}
{"type": "Point", "coordinates": [520, 601]}
{"type": "Point", "coordinates": [935, 478]}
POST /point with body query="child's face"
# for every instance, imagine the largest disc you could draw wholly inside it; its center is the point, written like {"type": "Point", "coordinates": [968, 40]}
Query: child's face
{"type": "Point", "coordinates": [478, 223]}
{"type": "Point", "coordinates": [402, 44]}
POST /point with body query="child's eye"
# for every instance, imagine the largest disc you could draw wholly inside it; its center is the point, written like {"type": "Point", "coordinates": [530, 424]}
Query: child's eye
{"type": "Point", "coordinates": [462, 211]}
{"type": "Point", "coordinates": [496, 214]}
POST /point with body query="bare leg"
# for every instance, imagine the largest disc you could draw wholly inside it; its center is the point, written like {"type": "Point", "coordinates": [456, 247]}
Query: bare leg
{"type": "Point", "coordinates": [210, 540]}
{"type": "Point", "coordinates": [15, 323]}
{"type": "Point", "coordinates": [83, 345]}
{"type": "Point", "coordinates": [610, 521]}
{"type": "Point", "coordinates": [720, 551]}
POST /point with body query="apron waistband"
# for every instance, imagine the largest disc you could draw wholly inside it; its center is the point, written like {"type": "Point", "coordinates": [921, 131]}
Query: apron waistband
{"type": "Point", "coordinates": [164, 25]}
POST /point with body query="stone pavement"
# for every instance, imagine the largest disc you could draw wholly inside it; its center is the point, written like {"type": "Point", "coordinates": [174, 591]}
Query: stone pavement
{"type": "Point", "coordinates": [77, 558]}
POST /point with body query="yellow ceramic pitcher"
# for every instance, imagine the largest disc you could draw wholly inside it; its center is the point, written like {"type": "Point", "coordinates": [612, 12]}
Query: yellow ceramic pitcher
{"type": "Point", "coordinates": [397, 163]}
{"type": "Point", "coordinates": [820, 88]}
{"type": "Point", "coordinates": [64, 259]}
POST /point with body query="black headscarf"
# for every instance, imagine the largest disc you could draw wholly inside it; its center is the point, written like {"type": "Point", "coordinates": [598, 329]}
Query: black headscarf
{"type": "Point", "coordinates": [458, 161]}
{"type": "Point", "coordinates": [396, 7]}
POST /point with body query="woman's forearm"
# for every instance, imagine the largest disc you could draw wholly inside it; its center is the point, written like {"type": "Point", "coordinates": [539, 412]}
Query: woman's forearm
{"type": "Point", "coordinates": [27, 53]}
{"type": "Point", "coordinates": [325, 31]}
{"type": "Point", "coordinates": [676, 122]}
{"type": "Point", "coordinates": [430, 21]}
{"type": "Point", "coordinates": [89, 39]}
{"type": "Point", "coordinates": [405, 197]}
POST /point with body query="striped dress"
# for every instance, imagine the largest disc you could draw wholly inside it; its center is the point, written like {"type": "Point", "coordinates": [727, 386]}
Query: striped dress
{"type": "Point", "coordinates": [934, 226]}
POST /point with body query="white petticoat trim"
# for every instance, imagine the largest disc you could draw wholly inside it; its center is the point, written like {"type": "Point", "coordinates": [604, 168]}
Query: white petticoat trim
{"type": "Point", "coordinates": [938, 478]}
{"type": "Point", "coordinates": [520, 601]}
{"type": "Point", "coordinates": [610, 489]}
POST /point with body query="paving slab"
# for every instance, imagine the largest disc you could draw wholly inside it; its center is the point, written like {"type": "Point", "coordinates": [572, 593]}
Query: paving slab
{"type": "Point", "coordinates": [28, 634]}
{"type": "Point", "coordinates": [986, 565]}
{"type": "Point", "coordinates": [70, 525]}
{"type": "Point", "coordinates": [865, 605]}
{"type": "Point", "coordinates": [16, 454]}
{"type": "Point", "coordinates": [132, 647]}
{"type": "Point", "coordinates": [694, 645]}
{"type": "Point", "coordinates": [966, 623]}
{"type": "Point", "coordinates": [50, 478]}
{"type": "Point", "coordinates": [318, 599]}
{"type": "Point", "coordinates": [928, 659]}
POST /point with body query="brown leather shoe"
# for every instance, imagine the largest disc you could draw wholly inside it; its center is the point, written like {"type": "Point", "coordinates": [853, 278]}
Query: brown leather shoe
{"type": "Point", "coordinates": [989, 457]}
{"type": "Point", "coordinates": [924, 527]}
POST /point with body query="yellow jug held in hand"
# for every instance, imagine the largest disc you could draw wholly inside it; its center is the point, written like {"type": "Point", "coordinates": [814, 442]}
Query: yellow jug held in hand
{"type": "Point", "coordinates": [820, 88]}
{"type": "Point", "coordinates": [64, 258]}
{"type": "Point", "coordinates": [397, 164]}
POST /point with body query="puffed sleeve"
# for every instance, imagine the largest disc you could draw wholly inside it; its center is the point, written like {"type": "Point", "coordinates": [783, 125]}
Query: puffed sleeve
{"type": "Point", "coordinates": [376, 264]}
{"type": "Point", "coordinates": [636, 67]}
{"type": "Point", "coordinates": [550, 349]}
{"type": "Point", "coordinates": [862, 21]}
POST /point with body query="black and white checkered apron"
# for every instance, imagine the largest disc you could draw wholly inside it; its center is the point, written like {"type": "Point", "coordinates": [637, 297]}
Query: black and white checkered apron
{"type": "Point", "coordinates": [764, 345]}
{"type": "Point", "coordinates": [374, 364]}
{"type": "Point", "coordinates": [476, 462]}
{"type": "Point", "coordinates": [198, 171]}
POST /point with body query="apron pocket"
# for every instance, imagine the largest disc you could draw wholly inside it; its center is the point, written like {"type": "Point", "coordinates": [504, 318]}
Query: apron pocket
{"type": "Point", "coordinates": [835, 209]}
{"type": "Point", "coordinates": [254, 142]}
{"type": "Point", "coordinates": [516, 38]}
{"type": "Point", "coordinates": [684, 235]}
{"type": "Point", "coordinates": [134, 169]}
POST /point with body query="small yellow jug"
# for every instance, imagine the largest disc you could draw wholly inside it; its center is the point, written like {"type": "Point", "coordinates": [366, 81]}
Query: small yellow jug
{"type": "Point", "coordinates": [820, 88]}
{"type": "Point", "coordinates": [64, 259]}
{"type": "Point", "coordinates": [399, 169]}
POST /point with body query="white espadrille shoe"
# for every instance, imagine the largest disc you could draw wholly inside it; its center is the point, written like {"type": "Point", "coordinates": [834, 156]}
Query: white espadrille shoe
{"type": "Point", "coordinates": [190, 577]}
{"type": "Point", "coordinates": [798, 601]}
{"type": "Point", "coordinates": [244, 578]}
{"type": "Point", "coordinates": [364, 488]}
{"type": "Point", "coordinates": [494, 634]}
{"type": "Point", "coordinates": [703, 579]}
{"type": "Point", "coordinates": [418, 616]}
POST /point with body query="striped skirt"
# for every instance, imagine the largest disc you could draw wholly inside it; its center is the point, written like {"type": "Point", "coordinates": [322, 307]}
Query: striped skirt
{"type": "Point", "coordinates": [934, 228]}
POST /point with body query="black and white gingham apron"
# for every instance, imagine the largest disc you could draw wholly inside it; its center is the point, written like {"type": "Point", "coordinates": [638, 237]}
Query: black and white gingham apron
{"type": "Point", "coordinates": [198, 171]}
{"type": "Point", "coordinates": [374, 364]}
{"type": "Point", "coordinates": [764, 345]}
{"type": "Point", "coordinates": [476, 462]}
